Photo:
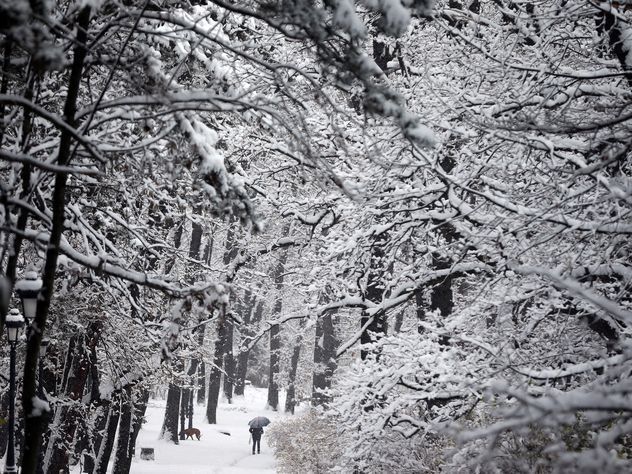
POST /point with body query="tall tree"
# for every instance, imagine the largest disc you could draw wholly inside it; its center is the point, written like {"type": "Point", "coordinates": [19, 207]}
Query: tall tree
{"type": "Point", "coordinates": [274, 333]}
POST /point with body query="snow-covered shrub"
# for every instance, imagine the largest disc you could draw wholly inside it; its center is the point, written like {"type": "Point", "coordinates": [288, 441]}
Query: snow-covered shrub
{"type": "Point", "coordinates": [305, 443]}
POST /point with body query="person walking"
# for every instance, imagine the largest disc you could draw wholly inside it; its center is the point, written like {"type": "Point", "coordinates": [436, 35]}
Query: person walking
{"type": "Point", "coordinates": [256, 438]}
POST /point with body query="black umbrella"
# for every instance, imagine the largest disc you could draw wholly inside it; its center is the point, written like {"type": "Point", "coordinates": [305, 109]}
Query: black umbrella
{"type": "Point", "coordinates": [259, 422]}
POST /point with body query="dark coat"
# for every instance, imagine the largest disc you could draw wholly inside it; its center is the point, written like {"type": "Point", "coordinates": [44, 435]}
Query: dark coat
{"type": "Point", "coordinates": [256, 433]}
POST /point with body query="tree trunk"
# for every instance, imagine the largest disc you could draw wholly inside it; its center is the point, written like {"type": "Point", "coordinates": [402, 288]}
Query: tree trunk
{"type": "Point", "coordinates": [186, 405]}
{"type": "Point", "coordinates": [240, 372]}
{"type": "Point", "coordinates": [215, 377]}
{"type": "Point", "coordinates": [169, 429]}
{"type": "Point", "coordinates": [122, 459]}
{"type": "Point", "coordinates": [275, 336]}
{"type": "Point", "coordinates": [615, 29]}
{"type": "Point", "coordinates": [325, 346]}
{"type": "Point", "coordinates": [229, 362]}
{"type": "Point", "coordinates": [140, 407]}
{"type": "Point", "coordinates": [107, 443]}
{"type": "Point", "coordinates": [201, 393]}
{"type": "Point", "coordinates": [194, 254]}
{"type": "Point", "coordinates": [441, 296]}
{"type": "Point", "coordinates": [100, 423]}
{"type": "Point", "coordinates": [275, 348]}
{"type": "Point", "coordinates": [252, 313]}
{"type": "Point", "coordinates": [399, 321]}
{"type": "Point", "coordinates": [290, 399]}
{"type": "Point", "coordinates": [184, 410]}
{"type": "Point", "coordinates": [190, 412]}
{"type": "Point", "coordinates": [374, 325]}
{"type": "Point", "coordinates": [69, 415]}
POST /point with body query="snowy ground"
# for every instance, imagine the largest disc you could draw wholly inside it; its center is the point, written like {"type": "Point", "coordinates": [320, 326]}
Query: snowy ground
{"type": "Point", "coordinates": [215, 453]}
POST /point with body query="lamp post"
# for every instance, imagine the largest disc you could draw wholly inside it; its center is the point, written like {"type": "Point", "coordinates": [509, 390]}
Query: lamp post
{"type": "Point", "coordinates": [42, 354]}
{"type": "Point", "coordinates": [14, 322]}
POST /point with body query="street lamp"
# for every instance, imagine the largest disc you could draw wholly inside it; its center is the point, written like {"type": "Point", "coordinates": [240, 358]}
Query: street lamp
{"type": "Point", "coordinates": [28, 289]}
{"type": "Point", "coordinates": [14, 322]}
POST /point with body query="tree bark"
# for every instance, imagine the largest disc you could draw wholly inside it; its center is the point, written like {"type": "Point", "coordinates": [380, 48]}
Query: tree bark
{"type": "Point", "coordinates": [441, 297]}
{"type": "Point", "coordinates": [275, 348]}
{"type": "Point", "coordinates": [169, 429]}
{"type": "Point", "coordinates": [253, 311]}
{"type": "Point", "coordinates": [229, 362]}
{"type": "Point", "coordinates": [201, 377]}
{"type": "Point", "coordinates": [69, 415]}
{"type": "Point", "coordinates": [221, 346]}
{"type": "Point", "coordinates": [106, 445]}
{"type": "Point", "coordinates": [140, 408]}
{"type": "Point", "coordinates": [100, 423]}
{"type": "Point", "coordinates": [184, 410]}
{"type": "Point", "coordinates": [325, 346]}
{"type": "Point", "coordinates": [122, 457]}
{"type": "Point", "coordinates": [215, 377]}
{"type": "Point", "coordinates": [194, 254]}
{"type": "Point", "coordinates": [275, 336]}
{"type": "Point", "coordinates": [201, 393]}
{"type": "Point", "coordinates": [374, 324]}
{"type": "Point", "coordinates": [290, 399]}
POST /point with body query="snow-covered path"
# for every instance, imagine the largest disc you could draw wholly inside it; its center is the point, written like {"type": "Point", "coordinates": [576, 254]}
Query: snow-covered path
{"type": "Point", "coordinates": [215, 453]}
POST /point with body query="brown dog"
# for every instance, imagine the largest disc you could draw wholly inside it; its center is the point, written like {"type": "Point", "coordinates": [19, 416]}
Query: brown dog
{"type": "Point", "coordinates": [189, 432]}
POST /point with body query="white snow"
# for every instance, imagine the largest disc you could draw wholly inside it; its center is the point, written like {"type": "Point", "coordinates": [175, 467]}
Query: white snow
{"type": "Point", "coordinates": [215, 452]}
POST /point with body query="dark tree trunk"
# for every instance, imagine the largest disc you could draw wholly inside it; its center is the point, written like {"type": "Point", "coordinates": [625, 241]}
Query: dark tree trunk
{"type": "Point", "coordinates": [608, 24]}
{"type": "Point", "coordinates": [169, 429]}
{"type": "Point", "coordinates": [177, 240]}
{"type": "Point", "coordinates": [68, 417]}
{"type": "Point", "coordinates": [107, 443]}
{"type": "Point", "coordinates": [100, 424]}
{"type": "Point", "coordinates": [275, 336]}
{"type": "Point", "coordinates": [441, 297]}
{"type": "Point", "coordinates": [186, 405]}
{"type": "Point", "coordinates": [201, 393]}
{"type": "Point", "coordinates": [325, 346]}
{"type": "Point", "coordinates": [252, 313]}
{"type": "Point", "coordinates": [240, 372]}
{"type": "Point", "coordinates": [221, 346]}
{"type": "Point", "coordinates": [122, 457]}
{"type": "Point", "coordinates": [194, 254]}
{"type": "Point", "coordinates": [184, 409]}
{"type": "Point", "coordinates": [215, 377]}
{"type": "Point", "coordinates": [85, 446]}
{"type": "Point", "coordinates": [140, 407]}
{"type": "Point", "coordinates": [399, 321]}
{"type": "Point", "coordinates": [374, 325]}
{"type": "Point", "coordinates": [229, 362]}
{"type": "Point", "coordinates": [92, 437]}
{"type": "Point", "coordinates": [191, 397]}
{"type": "Point", "coordinates": [275, 349]}
{"type": "Point", "coordinates": [290, 399]}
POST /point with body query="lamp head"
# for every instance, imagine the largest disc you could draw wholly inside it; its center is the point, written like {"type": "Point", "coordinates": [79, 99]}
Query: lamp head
{"type": "Point", "coordinates": [14, 322]}
{"type": "Point", "coordinates": [28, 289]}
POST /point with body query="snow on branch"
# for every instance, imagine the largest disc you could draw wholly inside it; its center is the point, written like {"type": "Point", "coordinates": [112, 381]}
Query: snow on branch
{"type": "Point", "coordinates": [573, 286]}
